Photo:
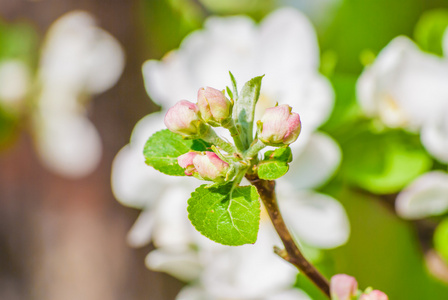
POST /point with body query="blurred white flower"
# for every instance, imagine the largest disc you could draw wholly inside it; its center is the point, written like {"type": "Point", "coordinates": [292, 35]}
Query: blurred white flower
{"type": "Point", "coordinates": [284, 47]}
{"type": "Point", "coordinates": [15, 82]}
{"type": "Point", "coordinates": [406, 88]}
{"type": "Point", "coordinates": [78, 59]}
{"type": "Point", "coordinates": [426, 196]}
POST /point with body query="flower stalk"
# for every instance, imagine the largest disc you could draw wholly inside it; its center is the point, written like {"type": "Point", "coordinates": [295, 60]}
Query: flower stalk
{"type": "Point", "coordinates": [291, 253]}
{"type": "Point", "coordinates": [235, 135]}
{"type": "Point", "coordinates": [254, 149]}
{"type": "Point", "coordinates": [211, 137]}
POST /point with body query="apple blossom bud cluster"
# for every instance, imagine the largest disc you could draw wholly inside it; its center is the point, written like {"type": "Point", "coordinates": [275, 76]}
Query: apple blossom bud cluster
{"type": "Point", "coordinates": [345, 287]}
{"type": "Point", "coordinates": [205, 165]}
{"type": "Point", "coordinates": [279, 126]}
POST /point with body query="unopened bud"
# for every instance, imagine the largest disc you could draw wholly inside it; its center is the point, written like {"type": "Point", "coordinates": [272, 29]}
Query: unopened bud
{"type": "Point", "coordinates": [343, 287]}
{"type": "Point", "coordinates": [186, 162]}
{"type": "Point", "coordinates": [210, 167]}
{"type": "Point", "coordinates": [374, 295]}
{"type": "Point", "coordinates": [213, 105]}
{"type": "Point", "coordinates": [279, 126]}
{"type": "Point", "coordinates": [183, 118]}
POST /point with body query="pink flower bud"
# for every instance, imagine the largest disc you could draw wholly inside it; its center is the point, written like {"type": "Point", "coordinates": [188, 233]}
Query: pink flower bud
{"type": "Point", "coordinates": [279, 126]}
{"type": "Point", "coordinates": [343, 287]}
{"type": "Point", "coordinates": [186, 162]}
{"type": "Point", "coordinates": [213, 105]}
{"type": "Point", "coordinates": [183, 119]}
{"type": "Point", "coordinates": [374, 295]}
{"type": "Point", "coordinates": [210, 167]}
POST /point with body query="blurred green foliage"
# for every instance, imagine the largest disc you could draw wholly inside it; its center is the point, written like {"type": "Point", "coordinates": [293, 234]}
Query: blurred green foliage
{"type": "Point", "coordinates": [430, 29]}
{"type": "Point", "coordinates": [18, 41]}
{"type": "Point", "coordinates": [441, 239]}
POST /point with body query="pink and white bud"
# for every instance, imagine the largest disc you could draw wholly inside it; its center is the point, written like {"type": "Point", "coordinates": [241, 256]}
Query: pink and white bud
{"type": "Point", "coordinates": [374, 295]}
{"type": "Point", "coordinates": [213, 105]}
{"type": "Point", "coordinates": [183, 118]}
{"type": "Point", "coordinates": [343, 287]}
{"type": "Point", "coordinates": [279, 126]}
{"type": "Point", "coordinates": [210, 167]}
{"type": "Point", "coordinates": [186, 162]}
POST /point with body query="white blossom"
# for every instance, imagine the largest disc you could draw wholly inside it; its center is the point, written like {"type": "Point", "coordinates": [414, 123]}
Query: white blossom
{"type": "Point", "coordinates": [406, 88]}
{"type": "Point", "coordinates": [78, 59]}
{"type": "Point", "coordinates": [424, 197]}
{"type": "Point", "coordinates": [15, 78]}
{"type": "Point", "coordinates": [284, 47]}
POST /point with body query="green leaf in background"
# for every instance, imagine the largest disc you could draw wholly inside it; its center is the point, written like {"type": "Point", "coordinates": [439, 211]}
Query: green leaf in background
{"type": "Point", "coordinates": [275, 163]}
{"type": "Point", "coordinates": [441, 239]}
{"type": "Point", "coordinates": [224, 214]}
{"type": "Point", "coordinates": [346, 108]}
{"type": "Point", "coordinates": [18, 41]}
{"type": "Point", "coordinates": [430, 29]}
{"type": "Point", "coordinates": [385, 162]}
{"type": "Point", "coordinates": [368, 24]}
{"type": "Point", "coordinates": [164, 147]}
{"type": "Point", "coordinates": [244, 109]}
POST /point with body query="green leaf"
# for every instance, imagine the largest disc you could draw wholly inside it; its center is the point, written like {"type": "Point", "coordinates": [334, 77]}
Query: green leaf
{"type": "Point", "coordinates": [283, 154]}
{"type": "Point", "coordinates": [164, 147]}
{"type": "Point", "coordinates": [275, 163]}
{"type": "Point", "coordinates": [244, 109]}
{"type": "Point", "coordinates": [430, 29]}
{"type": "Point", "coordinates": [226, 215]}
{"type": "Point", "coordinates": [383, 162]}
{"type": "Point", "coordinates": [441, 239]}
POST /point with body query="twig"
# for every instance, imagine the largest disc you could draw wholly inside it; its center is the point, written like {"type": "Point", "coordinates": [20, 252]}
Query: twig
{"type": "Point", "coordinates": [291, 253]}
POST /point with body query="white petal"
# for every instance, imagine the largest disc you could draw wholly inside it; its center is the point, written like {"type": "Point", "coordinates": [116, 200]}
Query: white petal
{"type": "Point", "coordinates": [226, 44]}
{"type": "Point", "coordinates": [316, 162]}
{"type": "Point", "coordinates": [316, 219]}
{"type": "Point", "coordinates": [426, 196]}
{"type": "Point", "coordinates": [405, 86]}
{"type": "Point", "coordinates": [145, 128]}
{"type": "Point", "coordinates": [78, 56]}
{"type": "Point", "coordinates": [134, 183]}
{"type": "Point", "coordinates": [14, 82]}
{"type": "Point", "coordinates": [288, 43]}
{"type": "Point", "coordinates": [173, 228]}
{"type": "Point", "coordinates": [68, 144]}
{"type": "Point", "coordinates": [168, 81]}
{"type": "Point", "coordinates": [309, 94]}
{"type": "Point", "coordinates": [192, 293]}
{"type": "Point", "coordinates": [291, 294]}
{"type": "Point", "coordinates": [237, 273]}
{"type": "Point", "coordinates": [434, 136]}
{"type": "Point", "coordinates": [141, 232]}
{"type": "Point", "coordinates": [183, 265]}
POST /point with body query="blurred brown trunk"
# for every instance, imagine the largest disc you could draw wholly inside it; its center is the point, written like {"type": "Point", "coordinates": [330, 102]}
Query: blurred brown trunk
{"type": "Point", "coordinates": [62, 239]}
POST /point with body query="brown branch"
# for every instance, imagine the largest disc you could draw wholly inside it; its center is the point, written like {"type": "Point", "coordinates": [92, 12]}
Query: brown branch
{"type": "Point", "coordinates": [291, 253]}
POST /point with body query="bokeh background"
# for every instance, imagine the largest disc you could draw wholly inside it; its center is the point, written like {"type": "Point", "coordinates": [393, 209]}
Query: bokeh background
{"type": "Point", "coordinates": [64, 237]}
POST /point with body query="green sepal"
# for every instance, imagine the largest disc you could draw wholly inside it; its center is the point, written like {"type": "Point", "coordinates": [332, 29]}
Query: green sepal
{"type": "Point", "coordinates": [234, 87]}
